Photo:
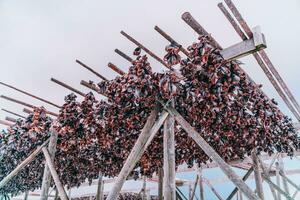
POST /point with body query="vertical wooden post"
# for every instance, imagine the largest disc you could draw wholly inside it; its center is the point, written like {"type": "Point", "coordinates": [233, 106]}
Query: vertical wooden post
{"type": "Point", "coordinates": [26, 195]}
{"type": "Point", "coordinates": [281, 170]}
{"type": "Point", "coordinates": [144, 189]}
{"type": "Point", "coordinates": [210, 152]}
{"type": "Point", "coordinates": [257, 175]}
{"type": "Point", "coordinates": [47, 174]}
{"type": "Point", "coordinates": [213, 190]}
{"type": "Point", "coordinates": [69, 194]}
{"type": "Point", "coordinates": [169, 158]}
{"type": "Point", "coordinates": [201, 185]}
{"type": "Point", "coordinates": [195, 186]}
{"type": "Point", "coordinates": [56, 194]}
{"type": "Point", "coordinates": [278, 180]}
{"type": "Point", "coordinates": [61, 191]}
{"type": "Point", "coordinates": [241, 195]}
{"type": "Point", "coordinates": [99, 187]}
{"type": "Point", "coordinates": [160, 183]}
{"type": "Point", "coordinates": [143, 141]}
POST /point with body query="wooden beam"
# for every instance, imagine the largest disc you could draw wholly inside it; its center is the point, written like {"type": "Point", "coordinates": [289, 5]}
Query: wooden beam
{"type": "Point", "coordinates": [257, 56]}
{"type": "Point", "coordinates": [160, 183]}
{"type": "Point", "coordinates": [92, 87]}
{"type": "Point", "coordinates": [145, 49]}
{"type": "Point", "coordinates": [211, 153]}
{"type": "Point", "coordinates": [236, 189]}
{"type": "Point", "coordinates": [25, 110]}
{"type": "Point", "coordinates": [194, 188]}
{"type": "Point", "coordinates": [31, 95]}
{"type": "Point", "coordinates": [10, 119]}
{"type": "Point", "coordinates": [245, 47]}
{"type": "Point", "coordinates": [91, 70]}
{"type": "Point", "coordinates": [143, 141]}
{"type": "Point", "coordinates": [282, 171]}
{"type": "Point", "coordinates": [115, 68]}
{"type": "Point", "coordinates": [266, 174]}
{"type": "Point", "coordinates": [169, 158]}
{"type": "Point", "coordinates": [263, 54]}
{"type": "Point", "coordinates": [257, 175]}
{"type": "Point", "coordinates": [123, 55]}
{"type": "Point", "coordinates": [61, 191]}
{"type": "Point", "coordinates": [13, 113]}
{"type": "Point", "coordinates": [25, 162]}
{"type": "Point", "coordinates": [26, 104]}
{"type": "Point", "coordinates": [67, 86]}
{"type": "Point", "coordinates": [213, 190]}
{"type": "Point", "coordinates": [5, 123]}
{"type": "Point", "coordinates": [201, 188]}
{"type": "Point", "coordinates": [47, 174]}
{"type": "Point", "coordinates": [99, 195]}
{"type": "Point", "coordinates": [278, 181]}
{"type": "Point", "coordinates": [171, 40]}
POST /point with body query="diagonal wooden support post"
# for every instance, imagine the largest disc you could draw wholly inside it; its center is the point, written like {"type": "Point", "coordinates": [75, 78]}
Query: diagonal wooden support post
{"type": "Point", "coordinates": [211, 153]}
{"type": "Point", "coordinates": [213, 190]}
{"type": "Point", "coordinates": [169, 158]}
{"type": "Point", "coordinates": [245, 177]}
{"type": "Point", "coordinates": [61, 191]}
{"type": "Point", "coordinates": [25, 162]}
{"type": "Point", "coordinates": [47, 174]}
{"type": "Point", "coordinates": [151, 127]}
{"type": "Point", "coordinates": [257, 175]}
{"type": "Point", "coordinates": [194, 187]}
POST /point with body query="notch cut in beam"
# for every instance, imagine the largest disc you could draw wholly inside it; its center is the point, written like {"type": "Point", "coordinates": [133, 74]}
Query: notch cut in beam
{"type": "Point", "coordinates": [31, 95]}
{"type": "Point", "coordinates": [26, 104]}
{"type": "Point", "coordinates": [13, 113]}
{"type": "Point", "coordinates": [91, 70]}
{"type": "Point", "coordinates": [245, 47]}
{"type": "Point", "coordinates": [67, 86]}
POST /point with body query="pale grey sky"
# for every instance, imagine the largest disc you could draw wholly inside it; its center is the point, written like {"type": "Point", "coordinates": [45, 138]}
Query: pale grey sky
{"type": "Point", "coordinates": [42, 39]}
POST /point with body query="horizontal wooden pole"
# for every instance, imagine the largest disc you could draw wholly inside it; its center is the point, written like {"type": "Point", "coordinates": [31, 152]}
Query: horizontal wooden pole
{"type": "Point", "coordinates": [91, 86]}
{"type": "Point", "coordinates": [10, 119]}
{"type": "Point", "coordinates": [144, 48]}
{"type": "Point", "coordinates": [91, 70]}
{"type": "Point", "coordinates": [122, 54]}
{"type": "Point", "coordinates": [26, 104]}
{"type": "Point", "coordinates": [5, 123]}
{"type": "Point", "coordinates": [13, 113]}
{"type": "Point", "coordinates": [67, 86]}
{"type": "Point", "coordinates": [25, 110]}
{"type": "Point", "coordinates": [171, 40]}
{"type": "Point", "coordinates": [25, 162]}
{"type": "Point", "coordinates": [115, 68]}
{"type": "Point", "coordinates": [31, 95]}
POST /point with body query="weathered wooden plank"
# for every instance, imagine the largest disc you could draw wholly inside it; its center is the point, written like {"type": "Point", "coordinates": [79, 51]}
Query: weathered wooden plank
{"type": "Point", "coordinates": [25, 162]}
{"type": "Point", "coordinates": [257, 176]}
{"type": "Point", "coordinates": [246, 47]}
{"type": "Point", "coordinates": [235, 190]}
{"type": "Point", "coordinates": [99, 195]}
{"type": "Point", "coordinates": [212, 154]}
{"type": "Point", "coordinates": [47, 174]}
{"type": "Point", "coordinates": [169, 159]}
{"type": "Point", "coordinates": [146, 136]}
{"type": "Point", "coordinates": [61, 191]}
{"type": "Point", "coordinates": [160, 183]}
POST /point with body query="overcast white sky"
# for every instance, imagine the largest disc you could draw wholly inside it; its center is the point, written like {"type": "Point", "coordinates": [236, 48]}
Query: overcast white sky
{"type": "Point", "coordinates": [42, 39]}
